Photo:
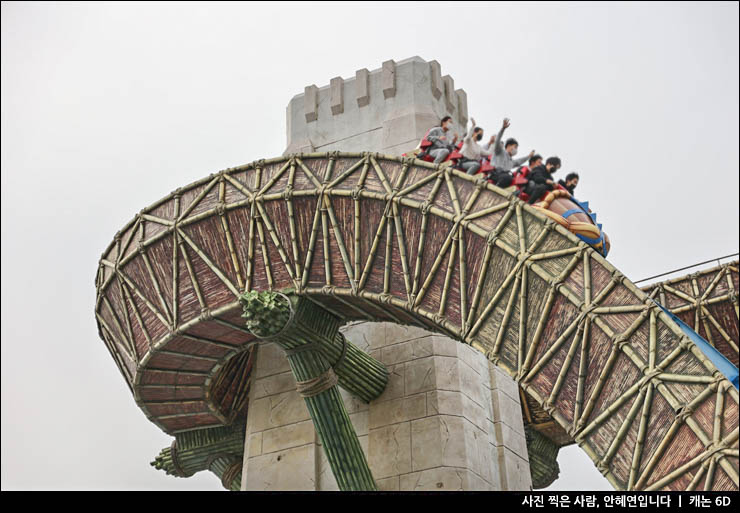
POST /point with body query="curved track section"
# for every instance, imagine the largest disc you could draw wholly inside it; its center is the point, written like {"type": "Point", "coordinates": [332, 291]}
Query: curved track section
{"type": "Point", "coordinates": [707, 301]}
{"type": "Point", "coordinates": [375, 237]}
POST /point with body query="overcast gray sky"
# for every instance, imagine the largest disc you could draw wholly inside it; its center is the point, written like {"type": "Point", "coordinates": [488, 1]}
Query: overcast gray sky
{"type": "Point", "coordinates": [109, 107]}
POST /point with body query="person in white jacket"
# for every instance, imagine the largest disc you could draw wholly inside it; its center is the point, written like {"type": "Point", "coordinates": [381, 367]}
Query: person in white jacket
{"type": "Point", "coordinates": [471, 151]}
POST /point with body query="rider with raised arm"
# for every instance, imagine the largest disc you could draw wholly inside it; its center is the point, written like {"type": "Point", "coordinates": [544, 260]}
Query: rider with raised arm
{"type": "Point", "coordinates": [503, 157]}
{"type": "Point", "coordinates": [471, 150]}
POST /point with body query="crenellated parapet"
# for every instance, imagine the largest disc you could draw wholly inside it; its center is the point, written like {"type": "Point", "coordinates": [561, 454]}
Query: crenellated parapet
{"type": "Point", "coordinates": [387, 110]}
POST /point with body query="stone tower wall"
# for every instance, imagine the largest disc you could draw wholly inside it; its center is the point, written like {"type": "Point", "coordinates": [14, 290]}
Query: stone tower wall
{"type": "Point", "coordinates": [387, 110]}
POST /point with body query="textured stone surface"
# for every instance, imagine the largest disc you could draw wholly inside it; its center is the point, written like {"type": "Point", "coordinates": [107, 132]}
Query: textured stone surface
{"type": "Point", "coordinates": [438, 441]}
{"type": "Point", "coordinates": [420, 376]}
{"type": "Point", "coordinates": [285, 437]}
{"type": "Point", "coordinates": [445, 402]}
{"type": "Point", "coordinates": [474, 437]}
{"type": "Point", "coordinates": [360, 422]}
{"type": "Point", "coordinates": [475, 414]}
{"type": "Point", "coordinates": [486, 462]}
{"type": "Point", "coordinates": [293, 469]}
{"type": "Point", "coordinates": [389, 79]}
{"type": "Point", "coordinates": [337, 95]}
{"type": "Point", "coordinates": [444, 346]}
{"type": "Point", "coordinates": [278, 410]}
{"type": "Point", "coordinates": [393, 107]}
{"type": "Point", "coordinates": [515, 471]}
{"type": "Point", "coordinates": [507, 410]}
{"type": "Point", "coordinates": [497, 471]}
{"type": "Point", "coordinates": [412, 122]}
{"type": "Point", "coordinates": [462, 106]}
{"type": "Point", "coordinates": [407, 351]}
{"type": "Point", "coordinates": [503, 382]}
{"type": "Point", "coordinates": [394, 389]}
{"type": "Point", "coordinates": [507, 437]}
{"type": "Point", "coordinates": [391, 484]}
{"type": "Point", "coordinates": [271, 385]}
{"type": "Point", "coordinates": [447, 373]}
{"type": "Point", "coordinates": [397, 353]}
{"type": "Point", "coordinates": [324, 477]}
{"type": "Point", "coordinates": [471, 384]}
{"type": "Point", "coordinates": [396, 333]}
{"type": "Point", "coordinates": [272, 361]}
{"type": "Point", "coordinates": [255, 444]}
{"type": "Point", "coordinates": [438, 479]}
{"type": "Point", "coordinates": [368, 336]}
{"type": "Point", "coordinates": [436, 79]}
{"type": "Point", "coordinates": [475, 360]}
{"type": "Point", "coordinates": [390, 450]}
{"type": "Point", "coordinates": [310, 103]}
{"type": "Point", "coordinates": [450, 96]}
{"type": "Point", "coordinates": [351, 403]}
{"type": "Point", "coordinates": [397, 410]}
{"type": "Point", "coordinates": [362, 92]}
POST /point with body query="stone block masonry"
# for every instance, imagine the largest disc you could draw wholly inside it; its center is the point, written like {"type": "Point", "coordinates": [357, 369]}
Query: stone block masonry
{"type": "Point", "coordinates": [387, 110]}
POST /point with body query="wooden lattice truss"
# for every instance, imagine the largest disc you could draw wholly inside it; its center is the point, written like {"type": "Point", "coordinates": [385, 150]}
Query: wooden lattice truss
{"type": "Point", "coordinates": [706, 300]}
{"type": "Point", "coordinates": [374, 237]}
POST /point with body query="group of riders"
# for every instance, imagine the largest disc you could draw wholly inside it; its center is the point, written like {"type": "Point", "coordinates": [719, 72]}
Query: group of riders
{"type": "Point", "coordinates": [495, 159]}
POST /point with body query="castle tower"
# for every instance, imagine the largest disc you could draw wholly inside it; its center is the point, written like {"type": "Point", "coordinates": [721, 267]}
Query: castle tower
{"type": "Point", "coordinates": [387, 110]}
{"type": "Point", "coordinates": [448, 418]}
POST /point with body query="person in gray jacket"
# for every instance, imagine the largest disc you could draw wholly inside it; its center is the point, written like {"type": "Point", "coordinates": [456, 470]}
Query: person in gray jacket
{"type": "Point", "coordinates": [503, 157]}
{"type": "Point", "coordinates": [442, 140]}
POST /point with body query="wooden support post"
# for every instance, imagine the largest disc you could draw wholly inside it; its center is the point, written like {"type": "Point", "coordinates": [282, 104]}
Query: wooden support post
{"type": "Point", "coordinates": [219, 450]}
{"type": "Point", "coordinates": [321, 358]}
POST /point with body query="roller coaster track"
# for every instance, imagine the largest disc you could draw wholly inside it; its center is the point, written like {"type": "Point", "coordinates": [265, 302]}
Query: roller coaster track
{"type": "Point", "coordinates": [706, 300]}
{"type": "Point", "coordinates": [374, 237]}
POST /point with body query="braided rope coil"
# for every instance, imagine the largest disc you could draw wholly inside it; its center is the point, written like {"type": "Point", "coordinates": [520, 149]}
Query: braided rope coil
{"type": "Point", "coordinates": [314, 387]}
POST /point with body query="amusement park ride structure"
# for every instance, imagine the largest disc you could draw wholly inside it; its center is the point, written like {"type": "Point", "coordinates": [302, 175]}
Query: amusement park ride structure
{"type": "Point", "coordinates": [223, 306]}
